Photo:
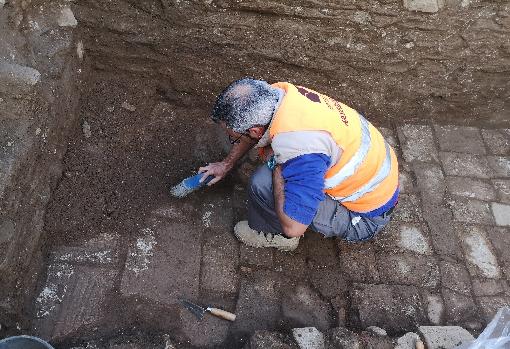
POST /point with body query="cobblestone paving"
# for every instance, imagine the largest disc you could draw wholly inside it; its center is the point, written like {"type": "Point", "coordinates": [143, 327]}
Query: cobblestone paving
{"type": "Point", "coordinates": [443, 260]}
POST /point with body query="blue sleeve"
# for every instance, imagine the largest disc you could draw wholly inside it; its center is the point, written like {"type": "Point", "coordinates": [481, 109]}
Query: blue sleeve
{"type": "Point", "coordinates": [304, 184]}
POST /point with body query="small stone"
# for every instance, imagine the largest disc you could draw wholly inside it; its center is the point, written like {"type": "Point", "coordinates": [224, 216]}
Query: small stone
{"type": "Point", "coordinates": [38, 131]}
{"type": "Point", "coordinates": [79, 50]}
{"type": "Point", "coordinates": [409, 45]}
{"type": "Point", "coordinates": [86, 129]}
{"type": "Point", "coordinates": [376, 330]}
{"type": "Point", "coordinates": [437, 337]}
{"type": "Point", "coordinates": [361, 17]}
{"type": "Point", "coordinates": [407, 341]}
{"type": "Point", "coordinates": [428, 6]}
{"type": "Point", "coordinates": [501, 214]}
{"type": "Point", "coordinates": [128, 106]}
{"type": "Point", "coordinates": [308, 338]}
{"type": "Point", "coordinates": [110, 109]}
{"type": "Point", "coordinates": [66, 18]}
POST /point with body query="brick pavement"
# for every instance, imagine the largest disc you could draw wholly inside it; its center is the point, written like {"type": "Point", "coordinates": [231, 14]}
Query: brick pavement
{"type": "Point", "coordinates": [443, 260]}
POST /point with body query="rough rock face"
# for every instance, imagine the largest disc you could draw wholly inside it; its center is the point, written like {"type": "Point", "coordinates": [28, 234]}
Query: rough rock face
{"type": "Point", "coordinates": [387, 58]}
{"type": "Point", "coordinates": [37, 109]}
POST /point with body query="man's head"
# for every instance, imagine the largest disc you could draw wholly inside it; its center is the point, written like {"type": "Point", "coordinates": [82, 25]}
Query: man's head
{"type": "Point", "coordinates": [246, 104]}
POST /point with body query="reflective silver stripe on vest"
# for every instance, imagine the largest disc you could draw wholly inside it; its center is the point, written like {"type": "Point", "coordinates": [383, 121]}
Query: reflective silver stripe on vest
{"type": "Point", "coordinates": [357, 159]}
{"type": "Point", "coordinates": [381, 175]}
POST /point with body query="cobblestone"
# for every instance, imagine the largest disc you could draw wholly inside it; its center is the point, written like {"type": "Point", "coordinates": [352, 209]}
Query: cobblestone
{"type": "Point", "coordinates": [455, 277]}
{"type": "Point", "coordinates": [501, 214]}
{"type": "Point", "coordinates": [460, 139]}
{"type": "Point", "coordinates": [471, 188]}
{"type": "Point", "coordinates": [417, 142]}
{"type": "Point", "coordinates": [461, 310]}
{"type": "Point", "coordinates": [220, 261]}
{"type": "Point", "coordinates": [431, 183]}
{"type": "Point", "coordinates": [405, 237]}
{"type": "Point", "coordinates": [497, 142]}
{"type": "Point", "coordinates": [490, 306]}
{"type": "Point", "coordinates": [490, 287]}
{"type": "Point", "coordinates": [408, 209]}
{"type": "Point", "coordinates": [407, 269]}
{"type": "Point", "coordinates": [465, 165]}
{"type": "Point", "coordinates": [437, 337]}
{"type": "Point", "coordinates": [471, 211]}
{"type": "Point", "coordinates": [481, 261]}
{"type": "Point", "coordinates": [435, 308]}
{"type": "Point", "coordinates": [392, 307]}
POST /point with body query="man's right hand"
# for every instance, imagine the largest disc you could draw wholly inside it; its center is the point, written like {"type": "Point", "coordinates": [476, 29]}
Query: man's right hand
{"type": "Point", "coordinates": [217, 169]}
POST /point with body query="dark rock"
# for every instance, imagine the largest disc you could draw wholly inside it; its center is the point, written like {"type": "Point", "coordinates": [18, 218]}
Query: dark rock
{"type": "Point", "coordinates": [303, 307]}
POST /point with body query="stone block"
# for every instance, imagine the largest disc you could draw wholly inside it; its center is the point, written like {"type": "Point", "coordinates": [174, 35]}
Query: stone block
{"type": "Point", "coordinates": [308, 338]}
{"type": "Point", "coordinates": [461, 310]}
{"type": "Point", "coordinates": [404, 237]}
{"type": "Point", "coordinates": [489, 306]}
{"type": "Point", "coordinates": [496, 141]}
{"type": "Point", "coordinates": [73, 298]}
{"type": "Point", "coordinates": [501, 214]}
{"type": "Point", "coordinates": [103, 249]}
{"type": "Point", "coordinates": [428, 6]}
{"type": "Point", "coordinates": [500, 165]}
{"type": "Point", "coordinates": [478, 251]}
{"type": "Point", "coordinates": [163, 264]}
{"type": "Point", "coordinates": [393, 307]}
{"type": "Point", "coordinates": [303, 307]}
{"type": "Point", "coordinates": [408, 209]}
{"type": "Point", "coordinates": [217, 213]}
{"type": "Point", "coordinates": [19, 75]}
{"type": "Point", "coordinates": [258, 304]}
{"type": "Point", "coordinates": [442, 232]}
{"type": "Point", "coordinates": [417, 143]}
{"type": "Point", "coordinates": [407, 341]}
{"type": "Point", "coordinates": [468, 165]}
{"type": "Point", "coordinates": [460, 139]}
{"type": "Point", "coordinates": [406, 269]}
{"type": "Point", "coordinates": [471, 211]}
{"type": "Point", "coordinates": [430, 182]}
{"type": "Point", "coordinates": [438, 337]}
{"type": "Point", "coordinates": [219, 264]}
{"type": "Point", "coordinates": [502, 187]}
{"type": "Point", "coordinates": [358, 262]}
{"type": "Point", "coordinates": [455, 277]}
{"type": "Point", "coordinates": [490, 287]}
{"type": "Point", "coordinates": [330, 282]}
{"type": "Point", "coordinates": [256, 256]}
{"type": "Point", "coordinates": [470, 188]}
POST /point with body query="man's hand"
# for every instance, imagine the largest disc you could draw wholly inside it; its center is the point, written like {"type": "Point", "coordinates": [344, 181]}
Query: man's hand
{"type": "Point", "coordinates": [217, 169]}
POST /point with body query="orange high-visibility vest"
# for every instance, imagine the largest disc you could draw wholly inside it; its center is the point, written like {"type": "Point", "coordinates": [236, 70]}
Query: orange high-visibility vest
{"type": "Point", "coordinates": [366, 175]}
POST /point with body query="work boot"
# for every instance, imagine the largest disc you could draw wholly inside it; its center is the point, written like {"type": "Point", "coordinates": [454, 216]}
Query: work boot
{"type": "Point", "coordinates": [254, 238]}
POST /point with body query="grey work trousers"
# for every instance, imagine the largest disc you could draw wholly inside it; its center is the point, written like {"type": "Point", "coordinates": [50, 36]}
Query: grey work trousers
{"type": "Point", "coordinates": [331, 219]}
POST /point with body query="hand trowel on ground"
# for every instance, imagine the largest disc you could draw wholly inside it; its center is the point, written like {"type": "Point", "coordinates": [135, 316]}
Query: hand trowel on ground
{"type": "Point", "coordinates": [200, 311]}
{"type": "Point", "coordinates": [189, 185]}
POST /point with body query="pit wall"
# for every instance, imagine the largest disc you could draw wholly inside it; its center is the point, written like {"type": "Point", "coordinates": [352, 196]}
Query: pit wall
{"type": "Point", "coordinates": [38, 71]}
{"type": "Point", "coordinates": [447, 60]}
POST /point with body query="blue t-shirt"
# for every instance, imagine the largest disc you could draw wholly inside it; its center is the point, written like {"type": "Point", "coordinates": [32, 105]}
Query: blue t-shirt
{"type": "Point", "coordinates": [304, 188]}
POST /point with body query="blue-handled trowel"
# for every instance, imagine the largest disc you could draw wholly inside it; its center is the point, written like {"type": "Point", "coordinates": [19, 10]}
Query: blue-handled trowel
{"type": "Point", "coordinates": [189, 185]}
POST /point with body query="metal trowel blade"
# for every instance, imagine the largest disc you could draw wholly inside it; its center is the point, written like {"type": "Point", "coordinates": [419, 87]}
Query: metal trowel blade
{"type": "Point", "coordinates": [197, 310]}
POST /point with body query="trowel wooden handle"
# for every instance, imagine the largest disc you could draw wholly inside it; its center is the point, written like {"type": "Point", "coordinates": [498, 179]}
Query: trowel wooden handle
{"type": "Point", "coordinates": [222, 314]}
{"type": "Point", "coordinates": [419, 344]}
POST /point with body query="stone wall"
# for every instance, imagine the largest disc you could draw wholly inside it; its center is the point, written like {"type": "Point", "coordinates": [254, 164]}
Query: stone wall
{"type": "Point", "coordinates": [37, 113]}
{"type": "Point", "coordinates": [412, 59]}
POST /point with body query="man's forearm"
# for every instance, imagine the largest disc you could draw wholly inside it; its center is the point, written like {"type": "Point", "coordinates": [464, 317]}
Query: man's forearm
{"type": "Point", "coordinates": [290, 227]}
{"type": "Point", "coordinates": [237, 152]}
